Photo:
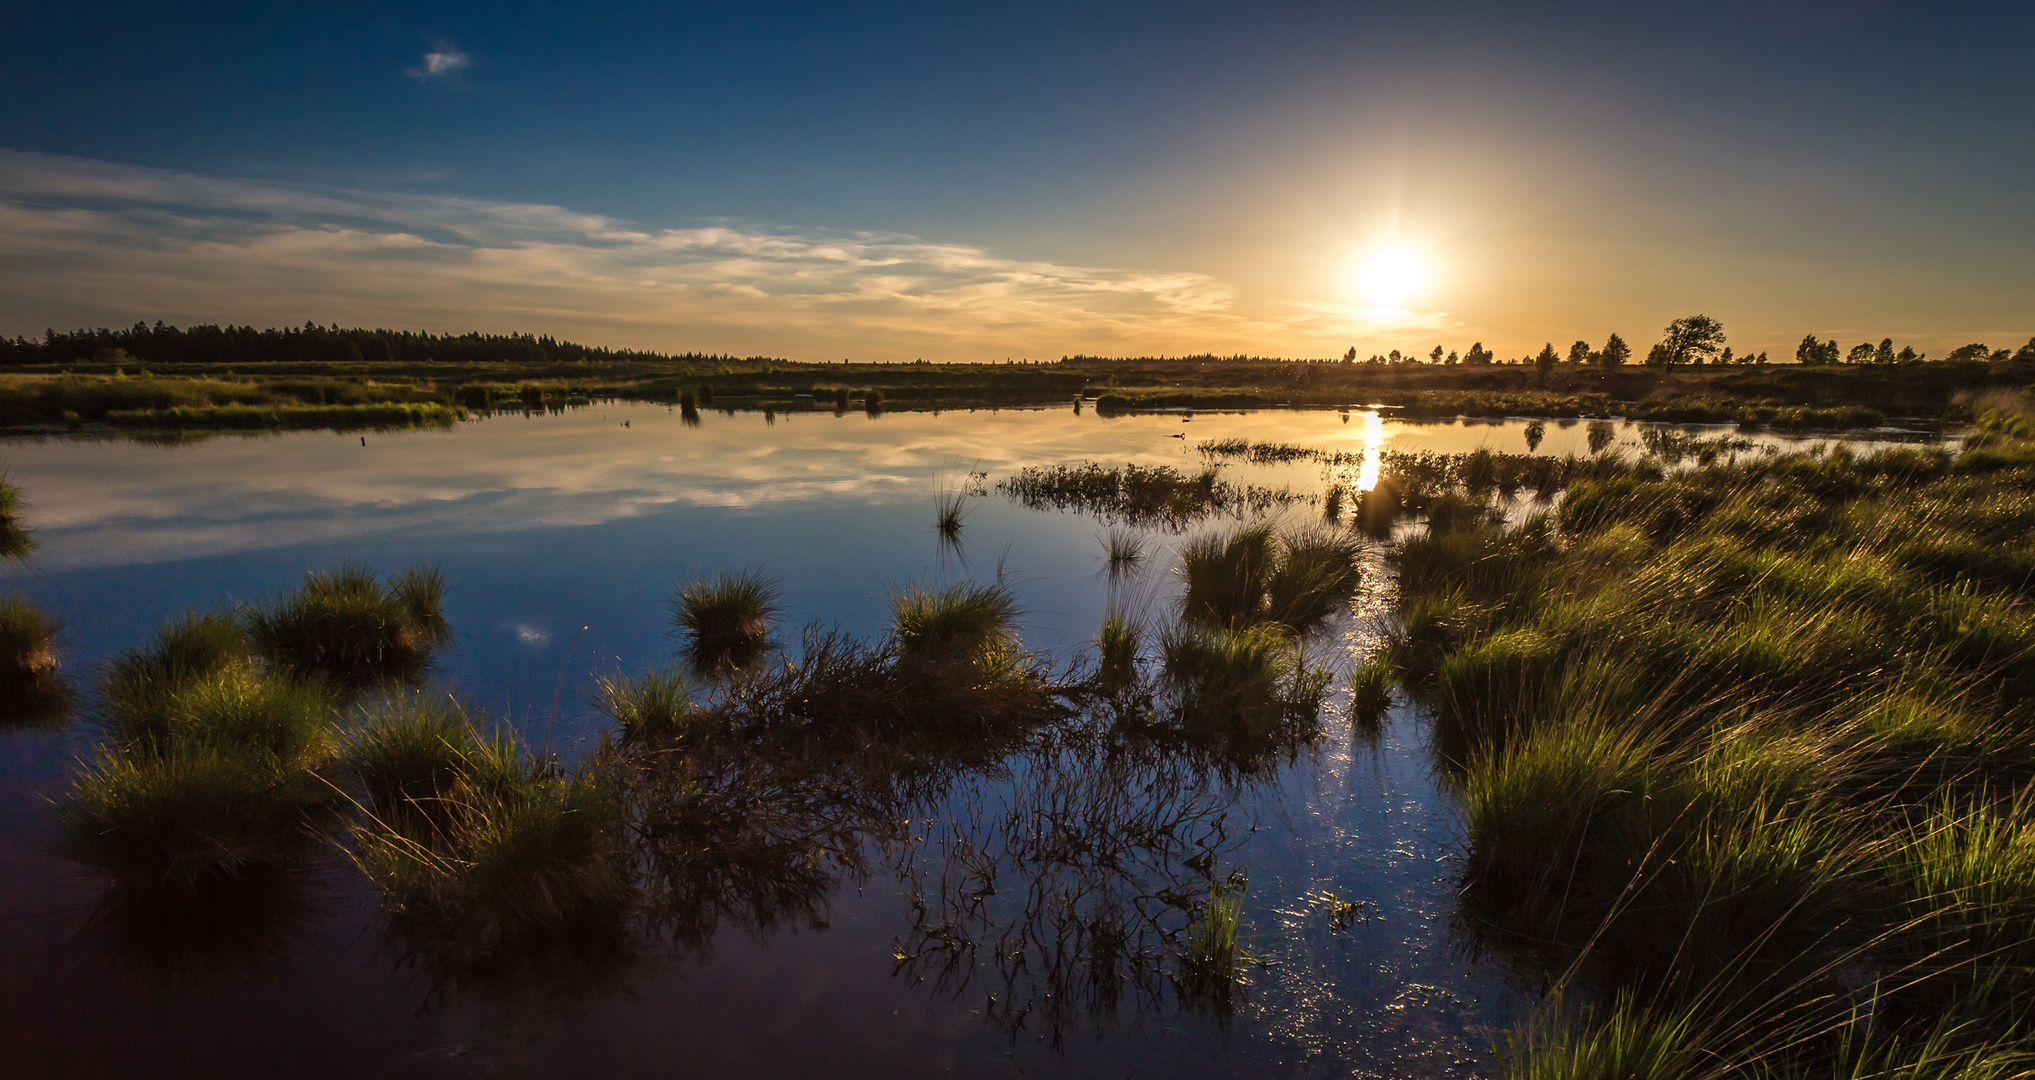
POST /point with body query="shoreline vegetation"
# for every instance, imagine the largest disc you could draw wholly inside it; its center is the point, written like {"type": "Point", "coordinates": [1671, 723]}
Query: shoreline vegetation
{"type": "Point", "coordinates": [238, 378]}
{"type": "Point", "coordinates": [1743, 757]}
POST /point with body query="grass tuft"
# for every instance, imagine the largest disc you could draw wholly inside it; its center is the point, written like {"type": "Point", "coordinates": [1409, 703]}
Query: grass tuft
{"type": "Point", "coordinates": [726, 619]}
{"type": "Point", "coordinates": [1117, 644]}
{"type": "Point", "coordinates": [1124, 548]}
{"type": "Point", "coordinates": [15, 542]}
{"type": "Point", "coordinates": [655, 709]}
{"type": "Point", "coordinates": [969, 625]}
{"type": "Point", "coordinates": [476, 845]}
{"type": "Point", "coordinates": [30, 691]}
{"type": "Point", "coordinates": [345, 626]}
{"type": "Point", "coordinates": [1317, 573]}
{"type": "Point", "coordinates": [1226, 575]}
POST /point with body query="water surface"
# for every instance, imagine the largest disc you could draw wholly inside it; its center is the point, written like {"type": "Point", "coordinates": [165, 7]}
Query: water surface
{"type": "Point", "coordinates": [562, 537]}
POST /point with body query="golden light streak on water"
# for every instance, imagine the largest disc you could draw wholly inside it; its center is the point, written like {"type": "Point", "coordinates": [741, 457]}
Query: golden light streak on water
{"type": "Point", "coordinates": [1374, 442]}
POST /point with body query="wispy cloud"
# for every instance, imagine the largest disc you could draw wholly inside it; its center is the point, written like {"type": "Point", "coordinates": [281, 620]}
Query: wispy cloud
{"type": "Point", "coordinates": [444, 62]}
{"type": "Point", "coordinates": [89, 242]}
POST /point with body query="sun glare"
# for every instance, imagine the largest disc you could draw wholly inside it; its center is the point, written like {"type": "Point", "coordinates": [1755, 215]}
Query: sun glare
{"type": "Point", "coordinates": [1390, 277]}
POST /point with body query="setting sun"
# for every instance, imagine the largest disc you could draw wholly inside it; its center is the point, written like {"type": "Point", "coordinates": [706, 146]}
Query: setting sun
{"type": "Point", "coordinates": [1390, 277]}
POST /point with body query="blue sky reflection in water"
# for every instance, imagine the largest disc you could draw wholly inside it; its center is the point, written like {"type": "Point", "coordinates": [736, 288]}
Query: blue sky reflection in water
{"type": "Point", "coordinates": [562, 537]}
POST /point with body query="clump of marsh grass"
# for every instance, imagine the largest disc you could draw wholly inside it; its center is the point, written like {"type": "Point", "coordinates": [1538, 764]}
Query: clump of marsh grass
{"type": "Point", "coordinates": [1123, 550]}
{"type": "Point", "coordinates": [345, 626]}
{"type": "Point", "coordinates": [1212, 956]}
{"type": "Point", "coordinates": [1255, 575]}
{"type": "Point", "coordinates": [475, 844]}
{"type": "Point", "coordinates": [1141, 496]}
{"type": "Point", "coordinates": [951, 668]}
{"type": "Point", "coordinates": [950, 512]}
{"type": "Point", "coordinates": [1246, 683]}
{"type": "Point", "coordinates": [1379, 508]}
{"type": "Point", "coordinates": [1371, 690]}
{"type": "Point", "coordinates": [187, 648]}
{"type": "Point", "coordinates": [1226, 575]}
{"type": "Point", "coordinates": [1317, 571]}
{"type": "Point", "coordinates": [212, 768]}
{"type": "Point", "coordinates": [30, 691]}
{"type": "Point", "coordinates": [658, 708]}
{"type": "Point", "coordinates": [967, 625]}
{"type": "Point", "coordinates": [413, 754]}
{"type": "Point", "coordinates": [1117, 644]}
{"type": "Point", "coordinates": [15, 543]}
{"type": "Point", "coordinates": [726, 619]}
{"type": "Point", "coordinates": [194, 815]}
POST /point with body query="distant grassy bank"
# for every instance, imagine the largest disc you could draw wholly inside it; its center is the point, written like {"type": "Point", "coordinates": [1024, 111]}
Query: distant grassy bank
{"type": "Point", "coordinates": [281, 381]}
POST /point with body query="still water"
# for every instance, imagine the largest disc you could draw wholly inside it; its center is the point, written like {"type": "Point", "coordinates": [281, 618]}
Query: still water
{"type": "Point", "coordinates": [562, 537]}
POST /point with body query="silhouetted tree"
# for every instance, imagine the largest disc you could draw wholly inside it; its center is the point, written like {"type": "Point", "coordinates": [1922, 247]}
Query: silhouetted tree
{"type": "Point", "coordinates": [1616, 352]}
{"type": "Point", "coordinates": [1579, 353]}
{"type": "Point", "coordinates": [1691, 339]}
{"type": "Point", "coordinates": [1478, 354]}
{"type": "Point", "coordinates": [1544, 364]}
{"type": "Point", "coordinates": [1884, 354]}
{"type": "Point", "coordinates": [1860, 353]}
{"type": "Point", "coordinates": [1435, 356]}
{"type": "Point", "coordinates": [1812, 351]}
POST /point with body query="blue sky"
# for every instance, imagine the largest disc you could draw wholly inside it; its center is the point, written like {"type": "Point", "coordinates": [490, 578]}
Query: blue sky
{"type": "Point", "coordinates": [969, 181]}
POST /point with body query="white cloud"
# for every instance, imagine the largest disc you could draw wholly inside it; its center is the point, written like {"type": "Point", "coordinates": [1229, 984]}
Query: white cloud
{"type": "Point", "coordinates": [86, 242]}
{"type": "Point", "coordinates": [444, 62]}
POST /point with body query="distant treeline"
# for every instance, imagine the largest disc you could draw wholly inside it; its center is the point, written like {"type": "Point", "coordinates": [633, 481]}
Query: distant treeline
{"type": "Point", "coordinates": [313, 344]}
{"type": "Point", "coordinates": [1693, 340]}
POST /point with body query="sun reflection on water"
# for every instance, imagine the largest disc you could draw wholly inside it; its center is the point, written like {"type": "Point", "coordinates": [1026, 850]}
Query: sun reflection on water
{"type": "Point", "coordinates": [1374, 444]}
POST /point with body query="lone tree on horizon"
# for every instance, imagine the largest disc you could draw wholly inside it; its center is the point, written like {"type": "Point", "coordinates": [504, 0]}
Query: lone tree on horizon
{"type": "Point", "coordinates": [1616, 352]}
{"type": "Point", "coordinates": [1691, 339]}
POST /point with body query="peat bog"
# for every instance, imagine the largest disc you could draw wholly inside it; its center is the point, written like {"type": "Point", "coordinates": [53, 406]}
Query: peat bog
{"type": "Point", "coordinates": [1315, 741]}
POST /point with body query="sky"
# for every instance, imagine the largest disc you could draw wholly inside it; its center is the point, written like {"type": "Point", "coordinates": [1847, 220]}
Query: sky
{"type": "Point", "coordinates": [982, 181]}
